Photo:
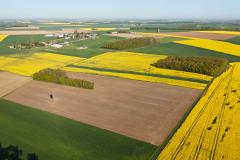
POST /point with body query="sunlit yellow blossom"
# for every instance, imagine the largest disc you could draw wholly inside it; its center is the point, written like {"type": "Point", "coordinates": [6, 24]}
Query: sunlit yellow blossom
{"type": "Point", "coordinates": [173, 82]}
{"type": "Point", "coordinates": [219, 46]}
{"type": "Point", "coordinates": [211, 130]}
{"type": "Point", "coordinates": [137, 66]}
{"type": "Point", "coordinates": [29, 64]}
{"type": "Point", "coordinates": [221, 32]}
{"type": "Point", "coordinates": [2, 37]}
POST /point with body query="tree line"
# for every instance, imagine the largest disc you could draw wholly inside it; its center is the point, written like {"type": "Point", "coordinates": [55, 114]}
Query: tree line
{"type": "Point", "coordinates": [14, 153]}
{"type": "Point", "coordinates": [131, 43]}
{"type": "Point", "coordinates": [58, 76]}
{"type": "Point", "coordinates": [203, 65]}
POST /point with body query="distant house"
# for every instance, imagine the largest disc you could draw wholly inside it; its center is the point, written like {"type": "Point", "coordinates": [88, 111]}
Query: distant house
{"type": "Point", "coordinates": [49, 35]}
{"type": "Point", "coordinates": [57, 45]}
{"type": "Point", "coordinates": [61, 35]}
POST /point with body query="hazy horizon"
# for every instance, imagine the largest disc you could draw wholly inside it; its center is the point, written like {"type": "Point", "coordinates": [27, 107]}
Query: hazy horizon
{"type": "Point", "coordinates": [113, 9]}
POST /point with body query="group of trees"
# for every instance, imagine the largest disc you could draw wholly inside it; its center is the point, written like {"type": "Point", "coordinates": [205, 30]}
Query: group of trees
{"type": "Point", "coordinates": [14, 153]}
{"type": "Point", "coordinates": [28, 45]}
{"type": "Point", "coordinates": [60, 77]}
{"type": "Point", "coordinates": [204, 65]}
{"type": "Point", "coordinates": [131, 43]}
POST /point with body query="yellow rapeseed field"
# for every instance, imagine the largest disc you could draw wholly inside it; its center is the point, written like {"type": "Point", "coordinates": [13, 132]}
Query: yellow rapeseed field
{"type": "Point", "coordinates": [2, 37]}
{"type": "Point", "coordinates": [137, 66]}
{"type": "Point", "coordinates": [222, 32]}
{"type": "Point", "coordinates": [137, 62]}
{"type": "Point", "coordinates": [211, 131]}
{"type": "Point", "coordinates": [219, 46]}
{"type": "Point", "coordinates": [173, 82]}
{"type": "Point", "coordinates": [27, 65]}
{"type": "Point", "coordinates": [97, 29]}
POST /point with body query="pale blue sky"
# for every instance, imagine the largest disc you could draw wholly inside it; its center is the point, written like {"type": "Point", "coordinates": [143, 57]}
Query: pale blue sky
{"type": "Point", "coordinates": [201, 9]}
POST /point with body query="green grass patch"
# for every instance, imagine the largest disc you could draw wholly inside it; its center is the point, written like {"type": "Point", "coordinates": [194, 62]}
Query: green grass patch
{"type": "Point", "coordinates": [16, 39]}
{"type": "Point", "coordinates": [94, 47]}
{"type": "Point", "coordinates": [57, 138]}
{"type": "Point", "coordinates": [19, 39]}
{"type": "Point", "coordinates": [173, 49]}
{"type": "Point", "coordinates": [234, 40]}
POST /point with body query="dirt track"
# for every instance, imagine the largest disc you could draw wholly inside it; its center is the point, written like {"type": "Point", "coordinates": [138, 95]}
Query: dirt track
{"type": "Point", "coordinates": [212, 36]}
{"type": "Point", "coordinates": [145, 111]}
{"type": "Point", "coordinates": [9, 82]}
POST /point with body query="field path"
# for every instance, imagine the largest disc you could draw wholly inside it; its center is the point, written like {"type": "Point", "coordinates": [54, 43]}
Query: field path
{"type": "Point", "coordinates": [9, 82]}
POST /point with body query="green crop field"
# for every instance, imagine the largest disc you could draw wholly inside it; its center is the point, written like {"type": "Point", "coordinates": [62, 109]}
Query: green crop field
{"type": "Point", "coordinates": [63, 138]}
{"type": "Point", "coordinates": [235, 40]}
{"type": "Point", "coordinates": [26, 39]}
{"type": "Point", "coordinates": [94, 47]}
{"type": "Point", "coordinates": [174, 49]}
{"type": "Point", "coordinates": [17, 39]}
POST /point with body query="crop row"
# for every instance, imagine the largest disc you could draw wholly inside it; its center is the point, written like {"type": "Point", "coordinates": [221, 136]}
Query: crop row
{"type": "Point", "coordinates": [211, 129]}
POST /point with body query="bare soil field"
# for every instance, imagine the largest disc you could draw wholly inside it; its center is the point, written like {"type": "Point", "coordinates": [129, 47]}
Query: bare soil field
{"type": "Point", "coordinates": [212, 36]}
{"type": "Point", "coordinates": [38, 32]}
{"type": "Point", "coordinates": [9, 82]}
{"type": "Point", "coordinates": [141, 110]}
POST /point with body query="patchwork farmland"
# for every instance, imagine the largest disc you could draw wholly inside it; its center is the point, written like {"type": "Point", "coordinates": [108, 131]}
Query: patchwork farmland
{"type": "Point", "coordinates": [155, 95]}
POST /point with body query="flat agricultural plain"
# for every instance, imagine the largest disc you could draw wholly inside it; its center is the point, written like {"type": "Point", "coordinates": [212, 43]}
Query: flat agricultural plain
{"type": "Point", "coordinates": [141, 110]}
{"type": "Point", "coordinates": [9, 82]}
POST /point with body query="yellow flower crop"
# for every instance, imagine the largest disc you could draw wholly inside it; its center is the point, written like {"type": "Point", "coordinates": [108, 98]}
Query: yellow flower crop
{"type": "Point", "coordinates": [219, 46]}
{"type": "Point", "coordinates": [2, 37]}
{"type": "Point", "coordinates": [221, 32]}
{"type": "Point", "coordinates": [173, 82]}
{"type": "Point", "coordinates": [137, 62]}
{"type": "Point", "coordinates": [211, 130]}
{"type": "Point", "coordinates": [137, 66]}
{"type": "Point", "coordinates": [29, 64]}
{"type": "Point", "coordinates": [97, 29]}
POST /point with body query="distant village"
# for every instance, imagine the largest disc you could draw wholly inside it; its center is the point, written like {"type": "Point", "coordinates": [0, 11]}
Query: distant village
{"type": "Point", "coordinates": [55, 43]}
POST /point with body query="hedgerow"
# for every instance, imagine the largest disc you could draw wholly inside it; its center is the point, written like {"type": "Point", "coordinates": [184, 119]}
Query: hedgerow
{"type": "Point", "coordinates": [131, 43]}
{"type": "Point", "coordinates": [204, 65]}
{"type": "Point", "coordinates": [59, 77]}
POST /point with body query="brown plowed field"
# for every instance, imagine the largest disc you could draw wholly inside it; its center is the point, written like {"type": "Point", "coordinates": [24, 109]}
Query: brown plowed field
{"type": "Point", "coordinates": [141, 110]}
{"type": "Point", "coordinates": [9, 82]}
{"type": "Point", "coordinates": [212, 36]}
